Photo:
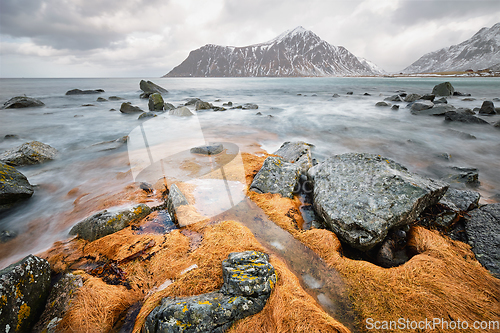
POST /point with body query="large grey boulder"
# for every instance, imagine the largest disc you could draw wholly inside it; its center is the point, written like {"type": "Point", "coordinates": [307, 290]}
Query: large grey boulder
{"type": "Point", "coordinates": [22, 102]}
{"type": "Point", "coordinates": [454, 203]}
{"type": "Point", "coordinates": [106, 222]}
{"type": "Point", "coordinates": [436, 110]}
{"type": "Point", "coordinates": [129, 108]}
{"type": "Point", "coordinates": [29, 153]}
{"type": "Point", "coordinates": [201, 105]}
{"type": "Point", "coordinates": [297, 152]}
{"type": "Point", "coordinates": [362, 196]}
{"type": "Point", "coordinates": [248, 281]}
{"type": "Point", "coordinates": [156, 102]}
{"type": "Point", "coordinates": [58, 303]}
{"type": "Point", "coordinates": [276, 176]}
{"type": "Point", "coordinates": [421, 105]}
{"type": "Point", "coordinates": [487, 108]}
{"type": "Point", "coordinates": [483, 230]}
{"type": "Point", "coordinates": [412, 97]}
{"type": "Point", "coordinates": [443, 89]}
{"type": "Point", "coordinates": [24, 287]}
{"type": "Point", "coordinates": [181, 112]}
{"type": "Point", "coordinates": [149, 88]}
{"type": "Point", "coordinates": [14, 187]}
{"type": "Point", "coordinates": [464, 118]}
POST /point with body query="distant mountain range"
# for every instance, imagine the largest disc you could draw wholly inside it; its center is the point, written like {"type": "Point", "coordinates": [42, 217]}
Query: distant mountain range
{"type": "Point", "coordinates": [482, 51]}
{"type": "Point", "coordinates": [297, 52]}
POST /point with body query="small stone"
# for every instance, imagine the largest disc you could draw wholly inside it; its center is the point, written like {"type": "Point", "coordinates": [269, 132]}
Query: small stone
{"type": "Point", "coordinates": [382, 104]}
{"type": "Point", "coordinates": [212, 149]}
{"type": "Point", "coordinates": [129, 108]}
{"type": "Point", "coordinates": [488, 108]}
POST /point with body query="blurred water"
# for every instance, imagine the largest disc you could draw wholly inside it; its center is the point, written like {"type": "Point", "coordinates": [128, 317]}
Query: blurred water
{"type": "Point", "coordinates": [90, 159]}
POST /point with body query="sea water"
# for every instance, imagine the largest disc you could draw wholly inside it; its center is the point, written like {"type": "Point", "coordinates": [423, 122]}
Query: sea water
{"type": "Point", "coordinates": [91, 161]}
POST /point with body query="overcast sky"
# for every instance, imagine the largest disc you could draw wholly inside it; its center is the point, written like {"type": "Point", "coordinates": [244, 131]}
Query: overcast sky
{"type": "Point", "coordinates": [134, 38]}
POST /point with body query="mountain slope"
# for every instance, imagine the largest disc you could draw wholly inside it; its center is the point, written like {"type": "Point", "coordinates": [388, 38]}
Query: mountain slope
{"type": "Point", "coordinates": [297, 52]}
{"type": "Point", "coordinates": [479, 52]}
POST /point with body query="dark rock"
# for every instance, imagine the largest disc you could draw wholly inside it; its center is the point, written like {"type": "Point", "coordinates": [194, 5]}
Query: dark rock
{"type": "Point", "coordinates": [29, 153]}
{"type": "Point", "coordinates": [460, 200]}
{"type": "Point", "coordinates": [84, 92]}
{"type": "Point", "coordinates": [496, 99]}
{"type": "Point", "coordinates": [24, 287]}
{"type": "Point", "coordinates": [461, 135]}
{"type": "Point", "coordinates": [129, 108]}
{"type": "Point", "coordinates": [350, 93]}
{"type": "Point", "coordinates": [192, 101]}
{"type": "Point", "coordinates": [497, 124]}
{"type": "Point", "coordinates": [146, 187]}
{"type": "Point", "coordinates": [465, 110]}
{"type": "Point", "coordinates": [168, 106]}
{"type": "Point", "coordinates": [463, 118]}
{"type": "Point", "coordinates": [181, 112]}
{"type": "Point", "coordinates": [228, 104]}
{"type": "Point", "coordinates": [458, 93]}
{"type": "Point", "coordinates": [88, 105]}
{"type": "Point", "coordinates": [22, 102]}
{"type": "Point", "coordinates": [115, 98]}
{"type": "Point", "coordinates": [7, 235]}
{"type": "Point", "coordinates": [387, 255]}
{"type": "Point", "coordinates": [395, 107]}
{"type": "Point", "coordinates": [58, 303]}
{"type": "Point", "coordinates": [441, 100]}
{"type": "Point", "coordinates": [145, 115]}
{"type": "Point", "coordinates": [101, 99]}
{"type": "Point", "coordinates": [412, 97]}
{"type": "Point", "coordinates": [359, 196]}
{"type": "Point", "coordinates": [175, 200]}
{"type": "Point", "coordinates": [212, 149]}
{"type": "Point", "coordinates": [248, 282]}
{"type": "Point", "coordinates": [382, 104]}
{"type": "Point", "coordinates": [483, 230]}
{"type": "Point", "coordinates": [487, 108]}
{"type": "Point", "coordinates": [297, 152]}
{"type": "Point", "coordinates": [428, 97]}
{"type": "Point", "coordinates": [150, 88]}
{"type": "Point", "coordinates": [276, 176]}
{"type": "Point", "coordinates": [420, 106]}
{"type": "Point", "coordinates": [335, 95]}
{"type": "Point", "coordinates": [394, 98]}
{"type": "Point", "coordinates": [367, 94]}
{"type": "Point", "coordinates": [11, 137]}
{"type": "Point", "coordinates": [443, 89]}
{"type": "Point", "coordinates": [105, 222]}
{"type": "Point", "coordinates": [465, 175]}
{"type": "Point", "coordinates": [218, 108]}
{"type": "Point", "coordinates": [258, 114]}
{"type": "Point", "coordinates": [155, 102]}
{"type": "Point", "coordinates": [468, 99]}
{"type": "Point", "coordinates": [249, 106]}
{"type": "Point", "coordinates": [14, 187]}
{"type": "Point", "coordinates": [437, 110]}
{"type": "Point", "coordinates": [112, 109]}
{"type": "Point", "coordinates": [201, 105]}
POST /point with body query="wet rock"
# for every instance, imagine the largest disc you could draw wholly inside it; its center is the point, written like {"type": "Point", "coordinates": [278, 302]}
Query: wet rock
{"type": "Point", "coordinates": [460, 200]}
{"type": "Point", "coordinates": [218, 108]}
{"type": "Point", "coordinates": [156, 102]}
{"type": "Point", "coordinates": [461, 135]}
{"type": "Point", "coordinates": [175, 200]}
{"type": "Point", "coordinates": [465, 175]}
{"type": "Point", "coordinates": [107, 222]}
{"type": "Point", "coordinates": [84, 92]}
{"type": "Point", "coordinates": [297, 152]}
{"type": "Point", "coordinates": [362, 196]}
{"type": "Point", "coordinates": [192, 101]}
{"type": "Point", "coordinates": [201, 105]}
{"type": "Point", "coordinates": [428, 97]}
{"type": "Point", "coordinates": [168, 106]}
{"type": "Point", "coordinates": [382, 104]}
{"type": "Point", "coordinates": [212, 149]}
{"type": "Point", "coordinates": [465, 110]}
{"type": "Point", "coordinates": [335, 95]}
{"type": "Point", "coordinates": [350, 93]}
{"type": "Point", "coordinates": [420, 106]}
{"type": "Point", "coordinates": [441, 100]}
{"type": "Point", "coordinates": [458, 93]}
{"type": "Point", "coordinates": [483, 229]}
{"type": "Point", "coordinates": [14, 187]}
{"type": "Point", "coordinates": [22, 102]}
{"type": "Point", "coordinates": [487, 108]}
{"type": "Point", "coordinates": [248, 282]}
{"type": "Point", "coordinates": [367, 94]}
{"type": "Point", "coordinates": [115, 98]}
{"type": "Point", "coordinates": [387, 255]}
{"type": "Point", "coordinates": [11, 137]}
{"type": "Point", "coordinates": [181, 112]}
{"type": "Point", "coordinates": [7, 235]}
{"type": "Point", "coordinates": [443, 89]}
{"type": "Point", "coordinates": [468, 99]}
{"type": "Point", "coordinates": [250, 106]}
{"type": "Point", "coordinates": [412, 97]}
{"type": "Point", "coordinates": [276, 176]}
{"type": "Point", "coordinates": [497, 124]}
{"type": "Point", "coordinates": [437, 110]}
{"type": "Point", "coordinates": [464, 118]}
{"type": "Point", "coordinates": [29, 153]}
{"type": "Point", "coordinates": [394, 98]}
{"type": "Point", "coordinates": [395, 107]}
{"type": "Point", "coordinates": [24, 287]}
{"type": "Point", "coordinates": [228, 104]}
{"type": "Point", "coordinates": [101, 99]}
{"type": "Point", "coordinates": [129, 108]}
{"type": "Point", "coordinates": [145, 115]}
{"type": "Point", "coordinates": [150, 88]}
{"type": "Point", "coordinates": [146, 187]}
{"type": "Point", "coordinates": [58, 303]}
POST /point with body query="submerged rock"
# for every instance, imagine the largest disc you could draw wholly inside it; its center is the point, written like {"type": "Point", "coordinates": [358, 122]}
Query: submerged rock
{"type": "Point", "coordinates": [14, 187]}
{"type": "Point", "coordinates": [192, 101]}
{"type": "Point", "coordinates": [168, 106]}
{"type": "Point", "coordinates": [362, 196]}
{"type": "Point", "coordinates": [420, 106]}
{"type": "Point", "coordinates": [297, 152]}
{"type": "Point", "coordinates": [248, 281]}
{"type": "Point", "coordinates": [276, 176]}
{"type": "Point", "coordinates": [156, 102]}
{"type": "Point", "coordinates": [212, 149]}
{"type": "Point", "coordinates": [22, 102]}
{"type": "Point", "coordinates": [84, 92]}
{"type": "Point", "coordinates": [487, 108]}
{"type": "Point", "coordinates": [441, 100]}
{"type": "Point", "coordinates": [428, 97]}
{"type": "Point", "coordinates": [437, 110]}
{"type": "Point", "coordinates": [464, 118]}
{"type": "Point", "coordinates": [443, 89]}
{"type": "Point", "coordinates": [181, 112]}
{"type": "Point", "coordinates": [250, 106]}
{"type": "Point", "coordinates": [382, 104]}
{"type": "Point", "coordinates": [394, 98]}
{"type": "Point", "coordinates": [29, 153]}
{"type": "Point", "coordinates": [129, 108]}
{"type": "Point", "coordinates": [482, 229]}
{"type": "Point", "coordinates": [147, 115]}
{"type": "Point", "coordinates": [24, 287]}
{"type": "Point", "coordinates": [201, 105]}
{"type": "Point", "coordinates": [105, 223]}
{"type": "Point", "coordinates": [150, 88]}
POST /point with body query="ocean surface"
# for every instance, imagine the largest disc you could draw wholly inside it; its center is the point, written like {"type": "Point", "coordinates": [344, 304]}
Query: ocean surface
{"type": "Point", "coordinates": [91, 164]}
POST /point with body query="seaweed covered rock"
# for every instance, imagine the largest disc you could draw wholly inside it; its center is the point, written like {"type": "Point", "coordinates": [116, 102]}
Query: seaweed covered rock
{"type": "Point", "coordinates": [29, 153]}
{"type": "Point", "coordinates": [150, 88]}
{"type": "Point", "coordinates": [276, 176]}
{"type": "Point", "coordinates": [156, 102]}
{"type": "Point", "coordinates": [22, 102]}
{"type": "Point", "coordinates": [362, 196]}
{"type": "Point", "coordinates": [248, 282]}
{"type": "Point", "coordinates": [107, 222]}
{"type": "Point", "coordinates": [14, 187]}
{"type": "Point", "coordinates": [24, 287]}
{"type": "Point", "coordinates": [297, 152]}
{"type": "Point", "coordinates": [443, 89]}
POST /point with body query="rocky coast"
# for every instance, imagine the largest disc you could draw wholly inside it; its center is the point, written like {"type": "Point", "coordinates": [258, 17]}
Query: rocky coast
{"type": "Point", "coordinates": [303, 243]}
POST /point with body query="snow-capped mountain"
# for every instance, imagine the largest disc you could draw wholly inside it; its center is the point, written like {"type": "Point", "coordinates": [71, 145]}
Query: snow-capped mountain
{"type": "Point", "coordinates": [374, 68]}
{"type": "Point", "coordinates": [479, 52]}
{"type": "Point", "coordinates": [297, 52]}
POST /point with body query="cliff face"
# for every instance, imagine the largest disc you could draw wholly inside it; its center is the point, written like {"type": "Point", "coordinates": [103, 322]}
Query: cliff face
{"type": "Point", "coordinates": [298, 52]}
